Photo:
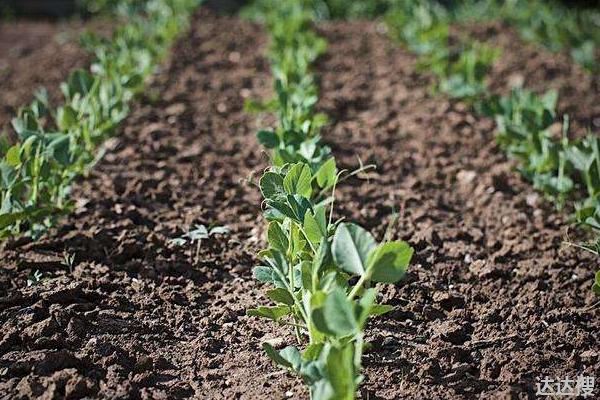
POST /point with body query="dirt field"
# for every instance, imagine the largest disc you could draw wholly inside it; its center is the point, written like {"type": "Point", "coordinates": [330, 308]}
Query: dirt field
{"type": "Point", "coordinates": [493, 299]}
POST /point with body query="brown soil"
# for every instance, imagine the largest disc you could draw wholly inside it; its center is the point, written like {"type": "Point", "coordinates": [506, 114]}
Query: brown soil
{"type": "Point", "coordinates": [35, 54]}
{"type": "Point", "coordinates": [492, 301]}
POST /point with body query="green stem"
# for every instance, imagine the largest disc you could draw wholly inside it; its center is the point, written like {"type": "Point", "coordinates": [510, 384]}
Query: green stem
{"type": "Point", "coordinates": [363, 279]}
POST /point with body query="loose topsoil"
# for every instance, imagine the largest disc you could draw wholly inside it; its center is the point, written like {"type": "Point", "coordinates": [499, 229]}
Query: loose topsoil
{"type": "Point", "coordinates": [493, 300]}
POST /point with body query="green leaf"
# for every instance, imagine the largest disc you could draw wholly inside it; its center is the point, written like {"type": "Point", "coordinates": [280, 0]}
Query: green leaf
{"type": "Point", "coordinates": [271, 186]}
{"type": "Point", "coordinates": [13, 156]}
{"type": "Point", "coordinates": [218, 230]}
{"type": "Point", "coordinates": [80, 81]}
{"type": "Point", "coordinates": [380, 309]}
{"type": "Point", "coordinates": [66, 117]}
{"type": "Point", "coordinates": [282, 209]}
{"type": "Point", "coordinates": [327, 174]}
{"type": "Point", "coordinates": [338, 314]}
{"type": "Point", "coordinates": [8, 173]}
{"type": "Point", "coordinates": [313, 231]}
{"type": "Point", "coordinates": [299, 206]}
{"type": "Point", "coordinates": [274, 313]}
{"type": "Point", "coordinates": [277, 237]}
{"type": "Point", "coordinates": [365, 304]}
{"type": "Point", "coordinates": [268, 139]}
{"type": "Point", "coordinates": [280, 295]}
{"type": "Point", "coordinates": [277, 261]}
{"type": "Point", "coordinates": [550, 99]}
{"type": "Point", "coordinates": [320, 322]}
{"type": "Point", "coordinates": [31, 214]}
{"type": "Point", "coordinates": [313, 351]}
{"type": "Point", "coordinates": [389, 261]}
{"type": "Point", "coordinates": [268, 275]}
{"type": "Point", "coordinates": [306, 275]}
{"type": "Point", "coordinates": [323, 256]}
{"type": "Point", "coordinates": [317, 299]}
{"type": "Point", "coordinates": [298, 180]}
{"type": "Point", "coordinates": [275, 356]}
{"type": "Point", "coordinates": [292, 356]}
{"type": "Point", "coordinates": [60, 149]}
{"type": "Point", "coordinates": [10, 218]}
{"type": "Point", "coordinates": [322, 390]}
{"type": "Point", "coordinates": [263, 274]}
{"type": "Point", "coordinates": [351, 247]}
{"type": "Point", "coordinates": [297, 240]}
{"type": "Point", "coordinates": [340, 371]}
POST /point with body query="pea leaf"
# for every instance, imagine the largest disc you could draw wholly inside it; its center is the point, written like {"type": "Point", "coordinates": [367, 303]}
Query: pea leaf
{"type": "Point", "coordinates": [337, 315]}
{"type": "Point", "coordinates": [389, 261]}
{"type": "Point", "coordinates": [60, 149]}
{"type": "Point", "coordinates": [275, 313]}
{"type": "Point", "coordinates": [277, 260]}
{"type": "Point", "coordinates": [596, 286]}
{"type": "Point", "coordinates": [298, 180]}
{"type": "Point", "coordinates": [289, 357]}
{"type": "Point", "coordinates": [80, 81]}
{"type": "Point", "coordinates": [340, 371]}
{"type": "Point", "coordinates": [275, 356]}
{"type": "Point", "coordinates": [299, 206]}
{"type": "Point", "coordinates": [271, 186]}
{"type": "Point", "coordinates": [268, 275]}
{"type": "Point", "coordinates": [313, 351]}
{"type": "Point", "coordinates": [351, 248]}
{"type": "Point", "coordinates": [277, 237]}
{"type": "Point", "coordinates": [13, 156]}
{"type": "Point", "coordinates": [280, 295]}
{"type": "Point", "coordinates": [268, 139]}
{"type": "Point", "coordinates": [380, 309]}
{"type": "Point", "coordinates": [282, 209]}
{"type": "Point", "coordinates": [293, 356]}
{"type": "Point", "coordinates": [365, 304]}
{"type": "Point", "coordinates": [327, 174]}
{"type": "Point", "coordinates": [66, 117]}
{"type": "Point", "coordinates": [312, 228]}
{"type": "Point", "coordinates": [263, 274]}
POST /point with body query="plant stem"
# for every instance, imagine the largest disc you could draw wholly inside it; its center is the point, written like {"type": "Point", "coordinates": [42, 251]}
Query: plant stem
{"type": "Point", "coordinates": [363, 279]}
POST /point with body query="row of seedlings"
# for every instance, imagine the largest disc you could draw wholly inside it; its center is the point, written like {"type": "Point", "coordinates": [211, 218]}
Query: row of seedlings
{"type": "Point", "coordinates": [320, 270]}
{"type": "Point", "coordinates": [55, 145]}
{"type": "Point", "coordinates": [560, 167]}
{"type": "Point", "coordinates": [550, 23]}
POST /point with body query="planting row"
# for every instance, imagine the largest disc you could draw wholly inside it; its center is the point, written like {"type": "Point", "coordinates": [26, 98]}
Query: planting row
{"type": "Point", "coordinates": [54, 145]}
{"type": "Point", "coordinates": [320, 270]}
{"type": "Point", "coordinates": [548, 23]}
{"type": "Point", "coordinates": [566, 170]}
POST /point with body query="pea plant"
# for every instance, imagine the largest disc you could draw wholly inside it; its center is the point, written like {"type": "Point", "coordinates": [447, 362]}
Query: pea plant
{"type": "Point", "coordinates": [558, 28]}
{"type": "Point", "coordinates": [549, 23]}
{"type": "Point", "coordinates": [197, 235]}
{"type": "Point", "coordinates": [423, 26]}
{"type": "Point", "coordinates": [564, 169]}
{"type": "Point", "coordinates": [55, 145]}
{"type": "Point", "coordinates": [320, 270]}
{"type": "Point", "coordinates": [522, 125]}
{"type": "Point", "coordinates": [561, 168]}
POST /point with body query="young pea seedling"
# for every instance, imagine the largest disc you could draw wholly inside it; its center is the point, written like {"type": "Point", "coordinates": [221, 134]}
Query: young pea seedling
{"type": "Point", "coordinates": [196, 235]}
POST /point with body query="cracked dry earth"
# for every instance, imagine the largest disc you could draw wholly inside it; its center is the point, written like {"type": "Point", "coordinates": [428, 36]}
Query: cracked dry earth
{"type": "Point", "coordinates": [492, 301]}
